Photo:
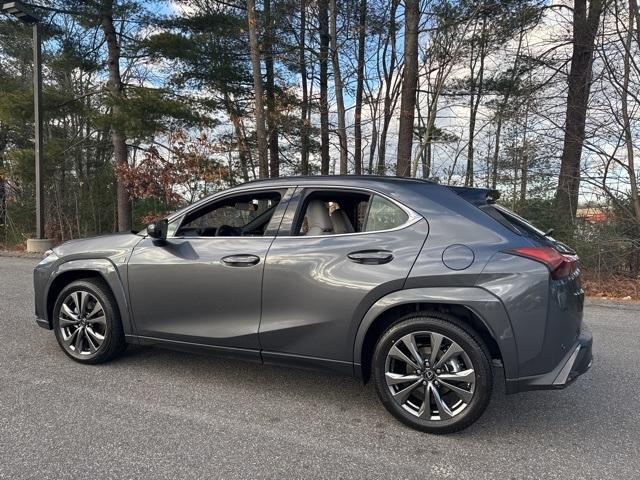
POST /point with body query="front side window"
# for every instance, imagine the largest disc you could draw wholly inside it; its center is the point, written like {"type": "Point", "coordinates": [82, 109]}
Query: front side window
{"type": "Point", "coordinates": [236, 216]}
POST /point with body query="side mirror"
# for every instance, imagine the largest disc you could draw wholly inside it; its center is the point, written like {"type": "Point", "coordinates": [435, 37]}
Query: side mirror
{"type": "Point", "coordinates": [158, 229]}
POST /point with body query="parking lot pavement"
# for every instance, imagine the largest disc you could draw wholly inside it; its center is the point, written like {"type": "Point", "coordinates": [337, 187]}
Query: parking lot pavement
{"type": "Point", "coordinates": [160, 414]}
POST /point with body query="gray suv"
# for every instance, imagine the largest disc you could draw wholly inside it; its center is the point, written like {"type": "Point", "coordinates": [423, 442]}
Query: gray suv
{"type": "Point", "coordinates": [429, 291]}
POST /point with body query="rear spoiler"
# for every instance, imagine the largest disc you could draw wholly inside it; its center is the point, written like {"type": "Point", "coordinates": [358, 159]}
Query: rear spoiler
{"type": "Point", "coordinates": [477, 196]}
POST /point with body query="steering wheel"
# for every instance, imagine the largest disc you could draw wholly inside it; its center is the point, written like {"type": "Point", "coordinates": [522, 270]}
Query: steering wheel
{"type": "Point", "coordinates": [226, 231]}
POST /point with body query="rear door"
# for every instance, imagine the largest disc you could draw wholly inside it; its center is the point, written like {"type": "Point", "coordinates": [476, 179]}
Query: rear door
{"type": "Point", "coordinates": [317, 287]}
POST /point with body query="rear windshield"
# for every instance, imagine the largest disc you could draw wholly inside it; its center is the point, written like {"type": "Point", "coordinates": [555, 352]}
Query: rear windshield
{"type": "Point", "coordinates": [522, 226]}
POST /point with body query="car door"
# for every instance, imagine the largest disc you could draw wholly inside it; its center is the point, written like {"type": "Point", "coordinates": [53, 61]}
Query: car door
{"type": "Point", "coordinates": [319, 281]}
{"type": "Point", "coordinates": [203, 284]}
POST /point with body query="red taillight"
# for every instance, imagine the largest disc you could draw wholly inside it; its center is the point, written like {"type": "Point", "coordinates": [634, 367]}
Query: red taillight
{"type": "Point", "coordinates": [559, 265]}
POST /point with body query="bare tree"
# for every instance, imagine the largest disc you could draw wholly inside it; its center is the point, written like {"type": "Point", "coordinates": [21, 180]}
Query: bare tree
{"type": "Point", "coordinates": [337, 81]}
{"type": "Point", "coordinates": [261, 133]}
{"type": "Point", "coordinates": [409, 84]}
{"type": "Point", "coordinates": [323, 13]}
{"type": "Point", "coordinates": [585, 27]}
{"type": "Point", "coordinates": [357, 120]}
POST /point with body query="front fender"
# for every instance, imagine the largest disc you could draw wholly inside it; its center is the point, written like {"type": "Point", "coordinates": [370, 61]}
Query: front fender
{"type": "Point", "coordinates": [110, 274]}
{"type": "Point", "coordinates": [486, 306]}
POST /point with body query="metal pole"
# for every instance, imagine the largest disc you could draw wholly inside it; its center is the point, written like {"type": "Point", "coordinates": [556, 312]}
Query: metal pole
{"type": "Point", "coordinates": [37, 102]}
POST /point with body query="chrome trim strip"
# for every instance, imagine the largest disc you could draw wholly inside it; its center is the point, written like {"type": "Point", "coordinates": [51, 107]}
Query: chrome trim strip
{"type": "Point", "coordinates": [561, 379]}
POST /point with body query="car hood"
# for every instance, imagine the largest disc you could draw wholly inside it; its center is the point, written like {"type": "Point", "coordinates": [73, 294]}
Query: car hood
{"type": "Point", "coordinates": [104, 246]}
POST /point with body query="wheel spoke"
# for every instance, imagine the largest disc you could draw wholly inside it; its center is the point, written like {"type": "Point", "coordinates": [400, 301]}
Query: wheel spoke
{"type": "Point", "coordinates": [101, 320]}
{"type": "Point", "coordinates": [465, 395]}
{"type": "Point", "coordinates": [76, 301]}
{"type": "Point", "coordinates": [443, 409]}
{"type": "Point", "coordinates": [95, 336]}
{"type": "Point", "coordinates": [97, 308]}
{"type": "Point", "coordinates": [453, 350]}
{"type": "Point", "coordinates": [68, 312]}
{"type": "Point", "coordinates": [425, 409]}
{"type": "Point", "coordinates": [402, 395]}
{"type": "Point", "coordinates": [436, 341]}
{"type": "Point", "coordinates": [72, 337]}
{"type": "Point", "coordinates": [79, 340]}
{"type": "Point", "coordinates": [410, 342]}
{"type": "Point", "coordinates": [92, 346]}
{"type": "Point", "coordinates": [466, 376]}
{"type": "Point", "coordinates": [395, 352]}
{"type": "Point", "coordinates": [397, 378]}
{"type": "Point", "coordinates": [64, 323]}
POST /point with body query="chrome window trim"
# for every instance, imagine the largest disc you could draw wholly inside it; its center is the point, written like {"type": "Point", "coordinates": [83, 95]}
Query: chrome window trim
{"type": "Point", "coordinates": [224, 194]}
{"type": "Point", "coordinates": [412, 216]}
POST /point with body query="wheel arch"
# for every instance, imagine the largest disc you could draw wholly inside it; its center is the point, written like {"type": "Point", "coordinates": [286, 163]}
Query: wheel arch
{"type": "Point", "coordinates": [475, 307]}
{"type": "Point", "coordinates": [102, 269]}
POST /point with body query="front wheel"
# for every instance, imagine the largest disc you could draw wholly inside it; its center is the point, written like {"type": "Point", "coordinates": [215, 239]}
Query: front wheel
{"type": "Point", "coordinates": [432, 374]}
{"type": "Point", "coordinates": [87, 323]}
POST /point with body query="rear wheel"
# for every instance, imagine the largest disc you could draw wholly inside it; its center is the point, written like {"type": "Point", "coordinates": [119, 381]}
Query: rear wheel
{"type": "Point", "coordinates": [87, 323]}
{"type": "Point", "coordinates": [432, 374]}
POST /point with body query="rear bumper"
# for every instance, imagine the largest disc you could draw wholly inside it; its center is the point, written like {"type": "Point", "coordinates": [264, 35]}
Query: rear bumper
{"type": "Point", "coordinates": [577, 361]}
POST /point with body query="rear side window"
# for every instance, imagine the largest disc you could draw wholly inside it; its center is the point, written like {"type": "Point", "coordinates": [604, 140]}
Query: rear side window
{"type": "Point", "coordinates": [384, 215]}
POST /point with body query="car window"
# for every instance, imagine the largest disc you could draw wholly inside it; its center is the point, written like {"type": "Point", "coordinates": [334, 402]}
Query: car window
{"type": "Point", "coordinates": [340, 212]}
{"type": "Point", "coordinates": [241, 215]}
{"type": "Point", "coordinates": [384, 215]}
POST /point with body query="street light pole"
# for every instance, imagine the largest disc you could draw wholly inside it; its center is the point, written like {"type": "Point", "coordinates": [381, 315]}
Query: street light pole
{"type": "Point", "coordinates": [24, 14]}
{"type": "Point", "coordinates": [37, 105]}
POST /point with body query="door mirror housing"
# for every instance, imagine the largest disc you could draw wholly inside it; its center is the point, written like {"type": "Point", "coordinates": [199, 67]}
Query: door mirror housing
{"type": "Point", "coordinates": [158, 229]}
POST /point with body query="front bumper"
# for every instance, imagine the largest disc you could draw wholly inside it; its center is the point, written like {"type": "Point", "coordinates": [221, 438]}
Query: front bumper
{"type": "Point", "coordinates": [577, 361]}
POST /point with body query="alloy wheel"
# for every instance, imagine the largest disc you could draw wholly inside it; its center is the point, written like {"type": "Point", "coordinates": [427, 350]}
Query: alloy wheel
{"type": "Point", "coordinates": [82, 323]}
{"type": "Point", "coordinates": [430, 375]}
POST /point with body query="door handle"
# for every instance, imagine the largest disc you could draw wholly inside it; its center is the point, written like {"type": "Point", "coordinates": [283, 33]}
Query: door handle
{"type": "Point", "coordinates": [241, 260]}
{"type": "Point", "coordinates": [371, 257]}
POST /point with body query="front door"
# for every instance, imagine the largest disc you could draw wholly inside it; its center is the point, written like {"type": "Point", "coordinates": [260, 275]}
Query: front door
{"type": "Point", "coordinates": [345, 249]}
{"type": "Point", "coordinates": [203, 285]}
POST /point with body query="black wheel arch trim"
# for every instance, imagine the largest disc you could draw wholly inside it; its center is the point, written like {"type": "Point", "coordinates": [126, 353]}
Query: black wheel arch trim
{"type": "Point", "coordinates": [108, 271]}
{"type": "Point", "coordinates": [486, 306]}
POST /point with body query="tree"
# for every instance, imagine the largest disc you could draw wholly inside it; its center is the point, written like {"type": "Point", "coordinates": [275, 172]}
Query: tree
{"type": "Point", "coordinates": [357, 121]}
{"type": "Point", "coordinates": [337, 81]}
{"type": "Point", "coordinates": [115, 88]}
{"type": "Point", "coordinates": [323, 16]}
{"type": "Point", "coordinates": [409, 84]}
{"type": "Point", "coordinates": [261, 132]}
{"type": "Point", "coordinates": [585, 28]}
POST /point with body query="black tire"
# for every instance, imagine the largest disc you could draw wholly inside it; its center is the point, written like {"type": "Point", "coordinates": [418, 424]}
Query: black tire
{"type": "Point", "coordinates": [114, 342]}
{"type": "Point", "coordinates": [473, 347]}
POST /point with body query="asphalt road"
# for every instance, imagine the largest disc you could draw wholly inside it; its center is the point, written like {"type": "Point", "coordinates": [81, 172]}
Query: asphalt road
{"type": "Point", "coordinates": [160, 414]}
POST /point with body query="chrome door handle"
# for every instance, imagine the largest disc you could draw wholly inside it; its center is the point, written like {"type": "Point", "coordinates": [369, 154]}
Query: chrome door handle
{"type": "Point", "coordinates": [241, 260]}
{"type": "Point", "coordinates": [371, 257]}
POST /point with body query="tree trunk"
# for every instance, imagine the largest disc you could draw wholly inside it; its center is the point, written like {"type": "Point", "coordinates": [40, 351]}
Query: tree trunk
{"type": "Point", "coordinates": [357, 117]}
{"type": "Point", "coordinates": [337, 81]}
{"type": "Point", "coordinates": [409, 84]}
{"type": "Point", "coordinates": [323, 12]}
{"type": "Point", "coordinates": [304, 106]}
{"type": "Point", "coordinates": [626, 121]}
{"type": "Point", "coordinates": [390, 97]}
{"type": "Point", "coordinates": [261, 133]}
{"type": "Point", "coordinates": [474, 104]}
{"type": "Point", "coordinates": [240, 139]}
{"type": "Point", "coordinates": [116, 91]}
{"type": "Point", "coordinates": [272, 115]}
{"type": "Point", "coordinates": [585, 28]}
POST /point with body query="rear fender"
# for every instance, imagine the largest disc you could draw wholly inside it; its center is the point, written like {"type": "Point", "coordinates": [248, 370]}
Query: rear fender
{"type": "Point", "coordinates": [486, 306]}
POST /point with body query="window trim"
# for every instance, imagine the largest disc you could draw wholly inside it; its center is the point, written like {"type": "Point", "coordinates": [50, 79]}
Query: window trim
{"type": "Point", "coordinates": [286, 193]}
{"type": "Point", "coordinates": [306, 190]}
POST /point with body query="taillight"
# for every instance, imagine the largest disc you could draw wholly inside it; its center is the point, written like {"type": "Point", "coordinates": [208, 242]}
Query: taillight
{"type": "Point", "coordinates": [560, 265]}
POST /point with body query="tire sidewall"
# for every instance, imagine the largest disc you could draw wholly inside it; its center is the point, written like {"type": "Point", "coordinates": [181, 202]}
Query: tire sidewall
{"type": "Point", "coordinates": [111, 314]}
{"type": "Point", "coordinates": [473, 347]}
